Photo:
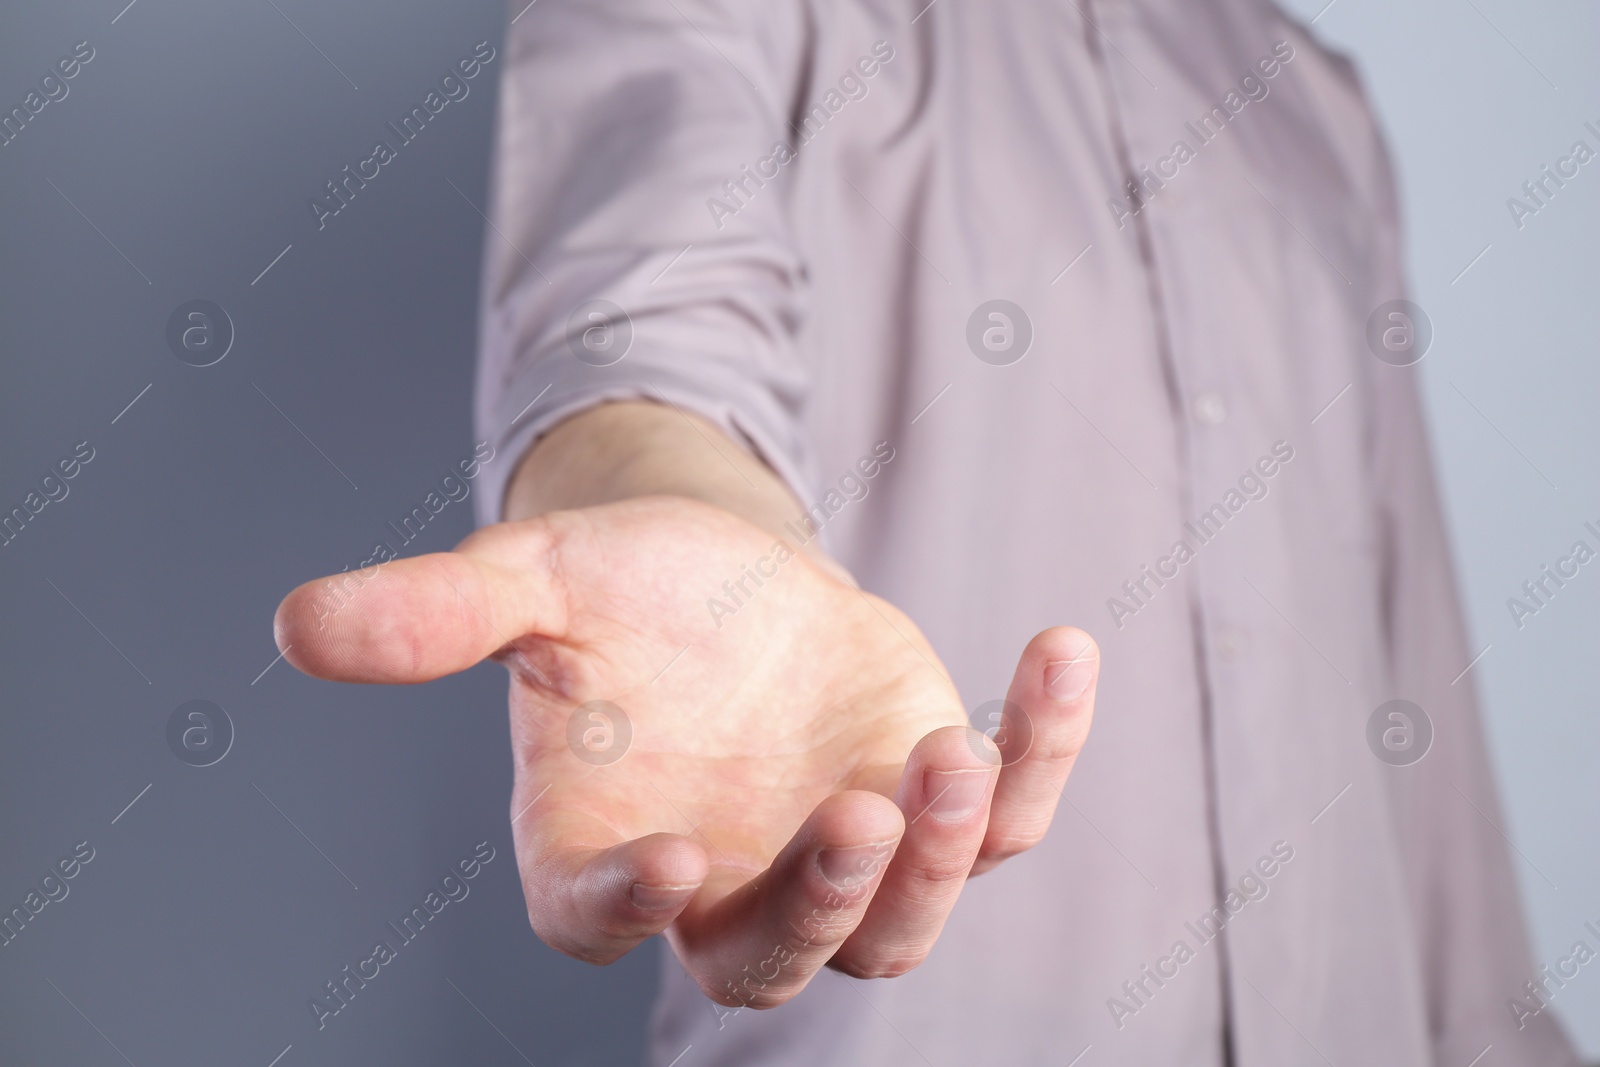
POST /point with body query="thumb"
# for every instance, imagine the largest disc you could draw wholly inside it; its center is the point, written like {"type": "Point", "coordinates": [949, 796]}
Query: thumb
{"type": "Point", "coordinates": [414, 620]}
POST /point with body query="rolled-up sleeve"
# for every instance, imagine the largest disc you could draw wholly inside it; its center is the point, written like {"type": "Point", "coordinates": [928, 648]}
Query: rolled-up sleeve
{"type": "Point", "coordinates": [621, 123]}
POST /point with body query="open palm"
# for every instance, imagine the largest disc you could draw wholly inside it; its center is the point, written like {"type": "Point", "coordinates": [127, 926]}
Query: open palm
{"type": "Point", "coordinates": [717, 738]}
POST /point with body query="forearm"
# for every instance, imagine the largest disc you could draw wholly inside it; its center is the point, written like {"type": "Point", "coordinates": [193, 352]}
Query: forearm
{"type": "Point", "coordinates": [636, 448]}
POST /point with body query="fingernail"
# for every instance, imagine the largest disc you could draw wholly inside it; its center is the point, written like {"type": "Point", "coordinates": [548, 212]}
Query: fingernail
{"type": "Point", "coordinates": [1066, 679]}
{"type": "Point", "coordinates": [657, 897]}
{"type": "Point", "coordinates": [953, 795]}
{"type": "Point", "coordinates": [847, 867]}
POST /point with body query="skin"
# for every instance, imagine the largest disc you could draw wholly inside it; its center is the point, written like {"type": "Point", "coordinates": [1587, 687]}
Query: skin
{"type": "Point", "coordinates": [800, 788]}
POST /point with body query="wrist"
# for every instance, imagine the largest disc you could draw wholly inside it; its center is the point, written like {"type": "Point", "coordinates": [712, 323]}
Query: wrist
{"type": "Point", "coordinates": [623, 449]}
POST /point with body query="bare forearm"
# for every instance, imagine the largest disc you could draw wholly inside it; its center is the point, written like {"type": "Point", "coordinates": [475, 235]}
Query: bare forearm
{"type": "Point", "coordinates": [615, 451]}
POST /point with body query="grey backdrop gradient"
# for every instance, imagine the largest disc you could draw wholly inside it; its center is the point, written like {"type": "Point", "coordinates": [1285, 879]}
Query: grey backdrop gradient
{"type": "Point", "coordinates": [179, 166]}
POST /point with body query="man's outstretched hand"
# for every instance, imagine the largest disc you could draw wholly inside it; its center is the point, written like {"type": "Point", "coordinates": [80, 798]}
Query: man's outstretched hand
{"type": "Point", "coordinates": [790, 782]}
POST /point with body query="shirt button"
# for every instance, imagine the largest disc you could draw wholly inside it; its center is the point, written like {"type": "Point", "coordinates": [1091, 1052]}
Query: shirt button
{"type": "Point", "coordinates": [1209, 409]}
{"type": "Point", "coordinates": [1230, 641]}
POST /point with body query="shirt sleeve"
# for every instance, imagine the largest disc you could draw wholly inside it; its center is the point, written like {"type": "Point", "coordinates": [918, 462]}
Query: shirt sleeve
{"type": "Point", "coordinates": [634, 251]}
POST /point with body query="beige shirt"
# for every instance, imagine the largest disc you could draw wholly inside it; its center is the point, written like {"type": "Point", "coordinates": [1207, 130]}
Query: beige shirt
{"type": "Point", "coordinates": [1176, 433]}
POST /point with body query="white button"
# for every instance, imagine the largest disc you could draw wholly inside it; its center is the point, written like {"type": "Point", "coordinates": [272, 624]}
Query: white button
{"type": "Point", "coordinates": [1209, 408]}
{"type": "Point", "coordinates": [1230, 641]}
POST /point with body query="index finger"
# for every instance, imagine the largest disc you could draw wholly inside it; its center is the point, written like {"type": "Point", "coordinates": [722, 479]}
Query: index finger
{"type": "Point", "coordinates": [1048, 711]}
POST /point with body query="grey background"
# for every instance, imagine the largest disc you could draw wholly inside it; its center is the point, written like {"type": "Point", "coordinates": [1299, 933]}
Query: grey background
{"type": "Point", "coordinates": [1475, 95]}
{"type": "Point", "coordinates": [181, 162]}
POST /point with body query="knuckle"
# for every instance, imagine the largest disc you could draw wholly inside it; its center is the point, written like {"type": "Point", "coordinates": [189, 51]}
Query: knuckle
{"type": "Point", "coordinates": [771, 998]}
{"type": "Point", "coordinates": [743, 991]}
{"type": "Point", "coordinates": [824, 927]}
{"type": "Point", "coordinates": [1001, 851]}
{"type": "Point", "coordinates": [873, 965]}
{"type": "Point", "coordinates": [985, 864]}
{"type": "Point", "coordinates": [767, 976]}
{"type": "Point", "coordinates": [1061, 741]}
{"type": "Point", "coordinates": [941, 869]}
{"type": "Point", "coordinates": [1002, 844]}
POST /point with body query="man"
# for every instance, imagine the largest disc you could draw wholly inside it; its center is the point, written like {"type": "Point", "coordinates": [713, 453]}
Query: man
{"type": "Point", "coordinates": [1014, 313]}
